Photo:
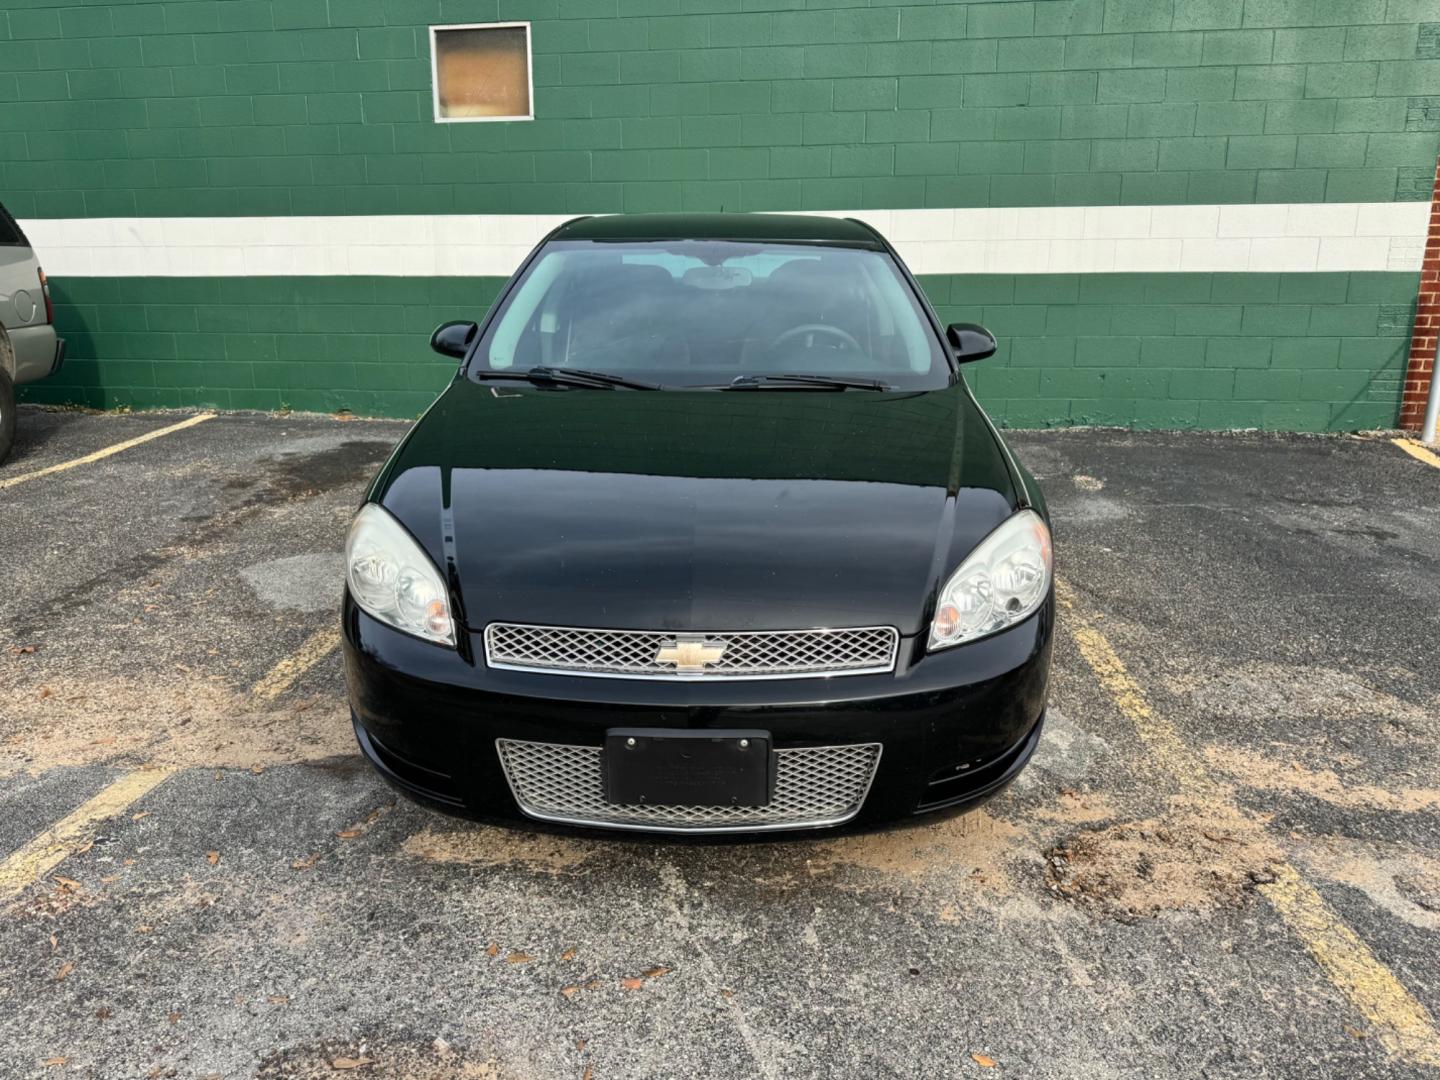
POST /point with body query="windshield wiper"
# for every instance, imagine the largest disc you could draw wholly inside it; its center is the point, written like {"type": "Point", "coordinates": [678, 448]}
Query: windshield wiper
{"type": "Point", "coordinates": [581, 377]}
{"type": "Point", "coordinates": [817, 382]}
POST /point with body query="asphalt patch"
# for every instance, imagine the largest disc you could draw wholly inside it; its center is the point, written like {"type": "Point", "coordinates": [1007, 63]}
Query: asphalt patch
{"type": "Point", "coordinates": [272, 909]}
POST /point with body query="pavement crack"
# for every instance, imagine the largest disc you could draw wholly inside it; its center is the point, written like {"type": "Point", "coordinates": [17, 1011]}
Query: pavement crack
{"type": "Point", "coordinates": [675, 892]}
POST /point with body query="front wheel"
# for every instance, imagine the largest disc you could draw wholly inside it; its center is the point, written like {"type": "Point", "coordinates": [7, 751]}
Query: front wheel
{"type": "Point", "coordinates": [7, 414]}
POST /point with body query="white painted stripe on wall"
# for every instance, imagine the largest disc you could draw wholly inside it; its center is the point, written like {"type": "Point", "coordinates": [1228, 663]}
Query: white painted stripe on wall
{"type": "Point", "coordinates": [1024, 240]}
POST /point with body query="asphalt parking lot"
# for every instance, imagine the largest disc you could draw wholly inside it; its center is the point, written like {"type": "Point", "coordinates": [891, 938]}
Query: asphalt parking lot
{"type": "Point", "coordinates": [1225, 860]}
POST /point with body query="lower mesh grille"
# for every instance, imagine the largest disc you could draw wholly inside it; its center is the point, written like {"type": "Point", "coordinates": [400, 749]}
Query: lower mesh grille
{"type": "Point", "coordinates": [814, 786]}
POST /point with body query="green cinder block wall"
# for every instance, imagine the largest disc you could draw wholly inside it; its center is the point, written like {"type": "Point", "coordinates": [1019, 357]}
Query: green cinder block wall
{"type": "Point", "coordinates": [212, 110]}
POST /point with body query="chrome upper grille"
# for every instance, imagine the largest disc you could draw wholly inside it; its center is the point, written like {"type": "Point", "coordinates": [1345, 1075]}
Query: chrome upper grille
{"type": "Point", "coordinates": [763, 654]}
{"type": "Point", "coordinates": [814, 786]}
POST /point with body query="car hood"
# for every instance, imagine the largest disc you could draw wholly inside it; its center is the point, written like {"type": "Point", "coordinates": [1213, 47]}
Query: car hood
{"type": "Point", "coordinates": [697, 511]}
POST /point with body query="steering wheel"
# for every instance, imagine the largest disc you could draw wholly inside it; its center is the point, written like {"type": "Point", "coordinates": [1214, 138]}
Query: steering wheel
{"type": "Point", "coordinates": [846, 339]}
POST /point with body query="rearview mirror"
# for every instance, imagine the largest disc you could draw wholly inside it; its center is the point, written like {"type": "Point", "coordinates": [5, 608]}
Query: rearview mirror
{"type": "Point", "coordinates": [970, 341]}
{"type": "Point", "coordinates": [453, 338]}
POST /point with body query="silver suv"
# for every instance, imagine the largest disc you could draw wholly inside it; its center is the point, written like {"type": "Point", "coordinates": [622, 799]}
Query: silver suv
{"type": "Point", "coordinates": [29, 349]}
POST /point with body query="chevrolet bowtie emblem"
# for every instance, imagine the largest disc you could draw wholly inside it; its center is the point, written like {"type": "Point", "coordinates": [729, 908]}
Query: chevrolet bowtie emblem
{"type": "Point", "coordinates": [690, 652]}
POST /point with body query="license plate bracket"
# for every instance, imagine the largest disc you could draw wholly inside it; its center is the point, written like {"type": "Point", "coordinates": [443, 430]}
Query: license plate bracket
{"type": "Point", "coordinates": [686, 767]}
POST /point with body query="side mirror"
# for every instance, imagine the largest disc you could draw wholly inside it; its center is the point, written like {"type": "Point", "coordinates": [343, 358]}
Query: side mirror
{"type": "Point", "coordinates": [454, 338]}
{"type": "Point", "coordinates": [970, 341]}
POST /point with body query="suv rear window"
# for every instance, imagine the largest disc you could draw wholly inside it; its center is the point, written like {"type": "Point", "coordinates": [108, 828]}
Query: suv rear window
{"type": "Point", "coordinates": [10, 234]}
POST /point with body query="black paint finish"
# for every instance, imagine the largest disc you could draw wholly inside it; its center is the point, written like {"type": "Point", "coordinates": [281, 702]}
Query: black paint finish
{"type": "Point", "coordinates": [699, 511]}
{"type": "Point", "coordinates": [705, 512]}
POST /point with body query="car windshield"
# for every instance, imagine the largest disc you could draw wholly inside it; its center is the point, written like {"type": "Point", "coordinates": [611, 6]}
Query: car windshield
{"type": "Point", "coordinates": [702, 313]}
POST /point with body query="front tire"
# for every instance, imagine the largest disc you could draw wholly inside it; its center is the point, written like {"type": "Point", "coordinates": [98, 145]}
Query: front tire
{"type": "Point", "coordinates": [7, 415]}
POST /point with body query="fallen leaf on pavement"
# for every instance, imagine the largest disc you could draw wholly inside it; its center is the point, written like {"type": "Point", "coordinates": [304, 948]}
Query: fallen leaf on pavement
{"type": "Point", "coordinates": [655, 973]}
{"type": "Point", "coordinates": [343, 1063]}
{"type": "Point", "coordinates": [361, 827]}
{"type": "Point", "coordinates": [22, 650]}
{"type": "Point", "coordinates": [492, 949]}
{"type": "Point", "coordinates": [68, 884]}
{"type": "Point", "coordinates": [173, 1017]}
{"type": "Point", "coordinates": [570, 991]}
{"type": "Point", "coordinates": [307, 863]}
{"type": "Point", "coordinates": [141, 816]}
{"type": "Point", "coordinates": [589, 1073]}
{"type": "Point", "coordinates": [212, 857]}
{"type": "Point", "coordinates": [631, 984]}
{"type": "Point", "coordinates": [51, 1062]}
{"type": "Point", "coordinates": [518, 958]}
{"type": "Point", "coordinates": [983, 1061]}
{"type": "Point", "coordinates": [65, 969]}
{"type": "Point", "coordinates": [568, 954]}
{"type": "Point", "coordinates": [104, 1013]}
{"type": "Point", "coordinates": [143, 929]}
{"type": "Point", "coordinates": [278, 999]}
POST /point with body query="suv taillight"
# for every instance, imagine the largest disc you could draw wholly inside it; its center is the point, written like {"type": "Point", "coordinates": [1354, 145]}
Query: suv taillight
{"type": "Point", "coordinates": [49, 304]}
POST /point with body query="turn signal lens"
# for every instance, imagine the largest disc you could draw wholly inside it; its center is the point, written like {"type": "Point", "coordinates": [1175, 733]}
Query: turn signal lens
{"type": "Point", "coordinates": [947, 620]}
{"type": "Point", "coordinates": [1004, 580]}
{"type": "Point", "coordinates": [392, 578]}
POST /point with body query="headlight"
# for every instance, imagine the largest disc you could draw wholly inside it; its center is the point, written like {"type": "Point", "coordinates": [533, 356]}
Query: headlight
{"type": "Point", "coordinates": [1001, 582]}
{"type": "Point", "coordinates": [392, 579]}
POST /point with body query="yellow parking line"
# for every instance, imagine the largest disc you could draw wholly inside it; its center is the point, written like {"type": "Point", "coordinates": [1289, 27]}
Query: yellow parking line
{"type": "Point", "coordinates": [49, 849]}
{"type": "Point", "coordinates": [1418, 451]}
{"type": "Point", "coordinates": [1402, 1024]}
{"type": "Point", "coordinates": [1160, 738]}
{"type": "Point", "coordinates": [98, 455]}
{"type": "Point", "coordinates": [283, 675]}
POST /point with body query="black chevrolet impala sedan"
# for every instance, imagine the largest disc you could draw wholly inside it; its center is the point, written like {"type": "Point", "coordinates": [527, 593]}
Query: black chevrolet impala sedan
{"type": "Point", "coordinates": [707, 535]}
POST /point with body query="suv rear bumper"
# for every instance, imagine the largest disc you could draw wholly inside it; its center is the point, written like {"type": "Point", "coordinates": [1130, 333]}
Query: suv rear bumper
{"type": "Point", "coordinates": [38, 352]}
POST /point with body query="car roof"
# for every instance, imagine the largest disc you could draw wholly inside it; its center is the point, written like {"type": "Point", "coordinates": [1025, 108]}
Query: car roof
{"type": "Point", "coordinates": [762, 228]}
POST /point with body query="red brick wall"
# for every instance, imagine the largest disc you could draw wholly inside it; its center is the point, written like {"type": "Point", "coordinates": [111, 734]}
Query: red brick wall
{"type": "Point", "coordinates": [1427, 323]}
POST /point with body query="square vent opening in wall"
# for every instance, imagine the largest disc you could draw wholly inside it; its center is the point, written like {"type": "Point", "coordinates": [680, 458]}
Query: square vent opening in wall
{"type": "Point", "coordinates": [481, 71]}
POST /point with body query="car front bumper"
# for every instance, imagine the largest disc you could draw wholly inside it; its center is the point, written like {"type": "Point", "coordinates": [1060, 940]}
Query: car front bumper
{"type": "Point", "coordinates": [954, 726]}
